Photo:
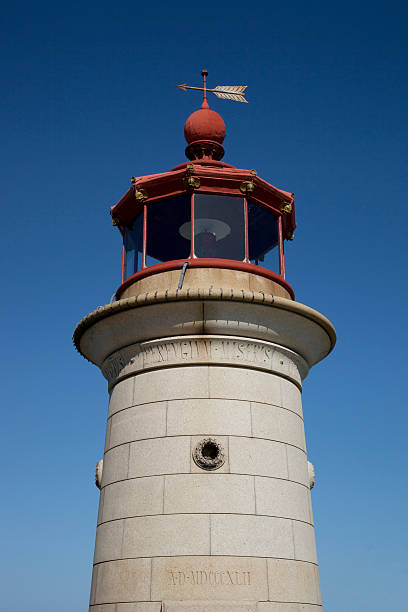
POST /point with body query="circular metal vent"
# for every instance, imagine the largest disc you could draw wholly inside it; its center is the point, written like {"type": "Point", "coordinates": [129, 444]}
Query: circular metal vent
{"type": "Point", "coordinates": [209, 454]}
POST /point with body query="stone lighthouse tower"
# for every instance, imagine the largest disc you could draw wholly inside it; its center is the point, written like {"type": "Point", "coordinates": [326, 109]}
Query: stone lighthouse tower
{"type": "Point", "coordinates": [205, 483]}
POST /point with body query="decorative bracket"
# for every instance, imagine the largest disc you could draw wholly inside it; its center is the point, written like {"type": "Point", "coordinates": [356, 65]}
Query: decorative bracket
{"type": "Point", "coordinates": [286, 207]}
{"type": "Point", "coordinates": [191, 182]}
{"type": "Point", "coordinates": [141, 195]}
{"type": "Point", "coordinates": [247, 187]}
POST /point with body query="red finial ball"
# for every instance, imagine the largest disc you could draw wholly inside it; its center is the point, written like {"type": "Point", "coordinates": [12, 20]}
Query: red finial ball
{"type": "Point", "coordinates": [204, 124]}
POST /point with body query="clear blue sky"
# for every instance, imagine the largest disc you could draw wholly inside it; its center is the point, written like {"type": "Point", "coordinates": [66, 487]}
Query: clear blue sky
{"type": "Point", "coordinates": [88, 101]}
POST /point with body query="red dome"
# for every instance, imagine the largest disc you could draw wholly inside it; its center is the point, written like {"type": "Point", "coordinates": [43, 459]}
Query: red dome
{"type": "Point", "coordinates": [204, 124]}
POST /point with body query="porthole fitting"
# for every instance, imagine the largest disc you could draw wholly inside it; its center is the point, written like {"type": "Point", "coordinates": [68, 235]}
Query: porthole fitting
{"type": "Point", "coordinates": [209, 454]}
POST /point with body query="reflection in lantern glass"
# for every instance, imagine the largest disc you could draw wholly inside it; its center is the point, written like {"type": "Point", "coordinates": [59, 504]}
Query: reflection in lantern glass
{"type": "Point", "coordinates": [219, 227]}
{"type": "Point", "coordinates": [207, 232]}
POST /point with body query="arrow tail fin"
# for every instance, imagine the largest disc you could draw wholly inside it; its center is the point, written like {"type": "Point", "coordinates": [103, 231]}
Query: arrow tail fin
{"type": "Point", "coordinates": [230, 96]}
{"type": "Point", "coordinates": [231, 92]}
{"type": "Point", "coordinates": [237, 89]}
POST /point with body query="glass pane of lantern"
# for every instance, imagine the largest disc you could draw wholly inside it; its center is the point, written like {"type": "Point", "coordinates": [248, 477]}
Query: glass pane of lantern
{"type": "Point", "coordinates": [263, 237]}
{"type": "Point", "coordinates": [164, 242]}
{"type": "Point", "coordinates": [134, 247]}
{"type": "Point", "coordinates": [219, 227]}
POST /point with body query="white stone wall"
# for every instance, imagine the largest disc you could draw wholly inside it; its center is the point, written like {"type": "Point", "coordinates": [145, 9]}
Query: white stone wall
{"type": "Point", "coordinates": [170, 531]}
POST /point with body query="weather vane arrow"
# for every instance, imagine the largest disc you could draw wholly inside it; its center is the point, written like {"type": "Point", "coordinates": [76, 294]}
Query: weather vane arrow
{"type": "Point", "coordinates": [228, 92]}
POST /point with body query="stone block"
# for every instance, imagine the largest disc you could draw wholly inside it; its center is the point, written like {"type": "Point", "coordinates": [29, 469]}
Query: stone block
{"type": "Point", "coordinates": [311, 521]}
{"type": "Point", "coordinates": [294, 581]}
{"type": "Point", "coordinates": [251, 536]}
{"type": "Point", "coordinates": [292, 429]}
{"type": "Point", "coordinates": [209, 492]}
{"type": "Point", "coordinates": [267, 606]}
{"type": "Point", "coordinates": [276, 423]}
{"type": "Point", "coordinates": [159, 456]}
{"type": "Point", "coordinates": [135, 497]}
{"type": "Point", "coordinates": [244, 384]}
{"type": "Point", "coordinates": [121, 395]}
{"type": "Point", "coordinates": [291, 397]}
{"type": "Point", "coordinates": [257, 457]}
{"type": "Point", "coordinates": [138, 423]}
{"type": "Point", "coordinates": [305, 544]}
{"type": "Point", "coordinates": [281, 498]}
{"type": "Point", "coordinates": [155, 536]}
{"type": "Point", "coordinates": [93, 584]}
{"type": "Point", "coordinates": [100, 507]}
{"type": "Point", "coordinates": [115, 464]}
{"type": "Point", "coordinates": [208, 416]}
{"type": "Point", "coordinates": [108, 543]}
{"type": "Point", "coordinates": [170, 383]}
{"type": "Point", "coordinates": [127, 580]}
{"type": "Point", "coordinates": [209, 606]}
{"type": "Point", "coordinates": [103, 608]}
{"type": "Point", "coordinates": [297, 465]}
{"type": "Point", "coordinates": [153, 606]}
{"type": "Point", "coordinates": [107, 435]}
{"type": "Point", "coordinates": [214, 578]}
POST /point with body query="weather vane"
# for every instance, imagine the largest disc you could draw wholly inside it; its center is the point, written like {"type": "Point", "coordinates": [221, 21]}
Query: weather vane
{"type": "Point", "coordinates": [228, 92]}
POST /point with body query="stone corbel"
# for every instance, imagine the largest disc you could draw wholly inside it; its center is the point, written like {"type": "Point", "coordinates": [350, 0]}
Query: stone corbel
{"type": "Point", "coordinates": [98, 474]}
{"type": "Point", "coordinates": [312, 475]}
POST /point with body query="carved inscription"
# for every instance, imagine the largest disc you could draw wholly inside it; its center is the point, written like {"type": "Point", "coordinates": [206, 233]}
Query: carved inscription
{"type": "Point", "coordinates": [210, 581]}
{"type": "Point", "coordinates": [121, 360]}
{"type": "Point", "coordinates": [206, 349]}
{"type": "Point", "coordinates": [154, 354]}
{"type": "Point", "coordinates": [209, 577]}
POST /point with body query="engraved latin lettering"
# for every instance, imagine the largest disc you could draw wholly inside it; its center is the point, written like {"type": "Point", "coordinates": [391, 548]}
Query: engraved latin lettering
{"type": "Point", "coordinates": [229, 577]}
{"type": "Point", "coordinates": [147, 354]}
{"type": "Point", "coordinates": [161, 349]}
{"type": "Point", "coordinates": [186, 349]}
{"type": "Point", "coordinates": [241, 347]}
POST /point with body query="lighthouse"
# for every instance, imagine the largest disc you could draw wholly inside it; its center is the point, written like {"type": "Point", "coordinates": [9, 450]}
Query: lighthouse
{"type": "Point", "coordinates": [205, 482]}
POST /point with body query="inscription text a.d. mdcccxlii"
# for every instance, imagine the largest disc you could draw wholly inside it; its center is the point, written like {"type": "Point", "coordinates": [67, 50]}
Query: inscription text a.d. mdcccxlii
{"type": "Point", "coordinates": [209, 577]}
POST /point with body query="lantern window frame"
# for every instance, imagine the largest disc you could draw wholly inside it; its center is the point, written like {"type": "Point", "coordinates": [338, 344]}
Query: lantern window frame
{"type": "Point", "coordinates": [219, 180]}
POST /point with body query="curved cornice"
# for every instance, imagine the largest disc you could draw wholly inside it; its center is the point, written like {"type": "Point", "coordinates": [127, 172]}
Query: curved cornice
{"type": "Point", "coordinates": [275, 319]}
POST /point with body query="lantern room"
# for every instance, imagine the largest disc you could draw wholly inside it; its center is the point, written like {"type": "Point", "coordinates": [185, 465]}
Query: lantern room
{"type": "Point", "coordinates": [204, 219]}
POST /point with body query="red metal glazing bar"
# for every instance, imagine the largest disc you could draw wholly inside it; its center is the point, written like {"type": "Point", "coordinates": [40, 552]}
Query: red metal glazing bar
{"type": "Point", "coordinates": [281, 249]}
{"type": "Point", "coordinates": [246, 231]}
{"type": "Point", "coordinates": [123, 259]}
{"type": "Point", "coordinates": [192, 227]}
{"type": "Point", "coordinates": [144, 236]}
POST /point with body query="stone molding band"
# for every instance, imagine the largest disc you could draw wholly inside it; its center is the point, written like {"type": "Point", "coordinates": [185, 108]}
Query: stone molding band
{"type": "Point", "coordinates": [204, 350]}
{"type": "Point", "coordinates": [217, 294]}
